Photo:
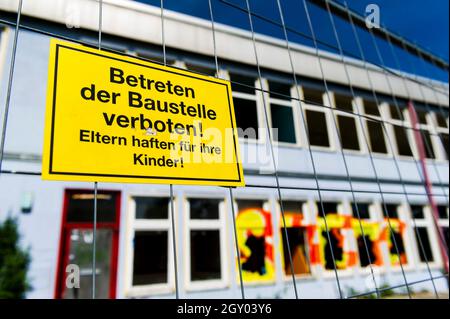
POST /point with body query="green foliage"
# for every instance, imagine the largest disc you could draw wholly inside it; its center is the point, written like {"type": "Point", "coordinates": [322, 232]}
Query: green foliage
{"type": "Point", "coordinates": [14, 262]}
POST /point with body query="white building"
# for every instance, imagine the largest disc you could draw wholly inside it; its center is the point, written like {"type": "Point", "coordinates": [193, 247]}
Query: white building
{"type": "Point", "coordinates": [135, 257]}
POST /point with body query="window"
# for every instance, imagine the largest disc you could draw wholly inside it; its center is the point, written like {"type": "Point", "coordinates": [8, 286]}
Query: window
{"type": "Point", "coordinates": [246, 119]}
{"type": "Point", "coordinates": [334, 235]}
{"type": "Point", "coordinates": [317, 128]}
{"type": "Point", "coordinates": [282, 113]}
{"type": "Point", "coordinates": [395, 230]}
{"type": "Point", "coordinates": [377, 142]}
{"type": "Point", "coordinates": [312, 96]}
{"type": "Point", "coordinates": [428, 134]}
{"type": "Point", "coordinates": [205, 231]}
{"type": "Point", "coordinates": [242, 83]}
{"type": "Point", "coordinates": [316, 118]}
{"type": "Point", "coordinates": [445, 141]}
{"type": "Point", "coordinates": [245, 105]}
{"type": "Point", "coordinates": [390, 210]}
{"type": "Point", "coordinates": [150, 244]}
{"type": "Point", "coordinates": [255, 239]}
{"type": "Point", "coordinates": [201, 69]}
{"type": "Point", "coordinates": [441, 129]}
{"type": "Point", "coordinates": [423, 226]}
{"type": "Point", "coordinates": [297, 233]}
{"type": "Point", "coordinates": [155, 57]}
{"type": "Point", "coordinates": [346, 123]}
{"type": "Point", "coordinates": [442, 212]}
{"type": "Point", "coordinates": [427, 144]}
{"type": "Point", "coordinates": [441, 119]}
{"type": "Point", "coordinates": [401, 131]}
{"type": "Point", "coordinates": [367, 234]}
{"type": "Point", "coordinates": [425, 253]}
{"type": "Point", "coordinates": [150, 265]}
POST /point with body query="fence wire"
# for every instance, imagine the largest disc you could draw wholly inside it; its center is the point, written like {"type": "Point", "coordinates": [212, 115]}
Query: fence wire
{"type": "Point", "coordinates": [343, 56]}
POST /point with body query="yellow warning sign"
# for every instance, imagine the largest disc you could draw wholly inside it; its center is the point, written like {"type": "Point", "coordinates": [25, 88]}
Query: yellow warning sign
{"type": "Point", "coordinates": [115, 118]}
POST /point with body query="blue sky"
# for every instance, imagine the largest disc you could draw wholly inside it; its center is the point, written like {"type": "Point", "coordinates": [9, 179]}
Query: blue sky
{"type": "Point", "coordinates": [423, 22]}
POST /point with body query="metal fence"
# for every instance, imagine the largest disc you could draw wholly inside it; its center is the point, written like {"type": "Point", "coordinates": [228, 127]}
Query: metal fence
{"type": "Point", "coordinates": [333, 10]}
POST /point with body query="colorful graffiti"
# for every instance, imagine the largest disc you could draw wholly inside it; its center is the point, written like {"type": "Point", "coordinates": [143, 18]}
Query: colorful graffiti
{"type": "Point", "coordinates": [255, 239]}
{"type": "Point", "coordinates": [397, 233]}
{"type": "Point", "coordinates": [310, 243]}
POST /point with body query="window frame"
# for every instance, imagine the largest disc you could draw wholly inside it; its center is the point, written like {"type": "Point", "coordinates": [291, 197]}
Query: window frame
{"type": "Point", "coordinates": [404, 124]}
{"type": "Point", "coordinates": [367, 142]}
{"type": "Point", "coordinates": [266, 205]}
{"type": "Point", "coordinates": [375, 218]}
{"type": "Point", "coordinates": [292, 104]}
{"type": "Point", "coordinates": [211, 224]}
{"type": "Point", "coordinates": [256, 97]}
{"type": "Point", "coordinates": [349, 240]}
{"type": "Point", "coordinates": [134, 225]}
{"type": "Point", "coordinates": [425, 222]}
{"type": "Point", "coordinates": [337, 112]}
{"type": "Point", "coordinates": [407, 242]}
{"type": "Point", "coordinates": [306, 211]}
{"type": "Point", "coordinates": [327, 113]}
{"type": "Point", "coordinates": [434, 138]}
{"type": "Point", "coordinates": [438, 130]}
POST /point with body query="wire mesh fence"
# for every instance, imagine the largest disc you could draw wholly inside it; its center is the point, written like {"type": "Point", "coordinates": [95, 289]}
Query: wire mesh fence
{"type": "Point", "coordinates": [361, 109]}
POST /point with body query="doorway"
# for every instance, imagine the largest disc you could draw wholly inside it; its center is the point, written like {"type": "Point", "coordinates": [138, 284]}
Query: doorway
{"type": "Point", "coordinates": [76, 244]}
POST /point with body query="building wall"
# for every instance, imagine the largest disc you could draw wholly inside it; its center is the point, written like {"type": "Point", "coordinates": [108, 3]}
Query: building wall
{"type": "Point", "coordinates": [41, 228]}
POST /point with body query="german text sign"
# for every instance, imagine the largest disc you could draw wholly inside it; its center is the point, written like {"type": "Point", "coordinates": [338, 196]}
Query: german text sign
{"type": "Point", "coordinates": [114, 118]}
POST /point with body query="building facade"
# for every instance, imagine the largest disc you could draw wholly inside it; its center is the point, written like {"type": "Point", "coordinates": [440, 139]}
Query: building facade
{"type": "Point", "coordinates": [368, 134]}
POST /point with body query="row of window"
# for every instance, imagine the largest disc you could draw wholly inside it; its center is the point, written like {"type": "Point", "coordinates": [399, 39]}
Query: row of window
{"type": "Point", "coordinates": [351, 231]}
{"type": "Point", "coordinates": [324, 132]}
{"type": "Point", "coordinates": [355, 133]}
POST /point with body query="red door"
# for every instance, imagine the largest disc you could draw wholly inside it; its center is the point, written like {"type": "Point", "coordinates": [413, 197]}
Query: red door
{"type": "Point", "coordinates": [76, 243]}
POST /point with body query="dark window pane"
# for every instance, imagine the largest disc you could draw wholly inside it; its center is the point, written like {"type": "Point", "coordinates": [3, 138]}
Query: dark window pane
{"type": "Point", "coordinates": [205, 254]}
{"type": "Point", "coordinates": [246, 118]}
{"type": "Point", "coordinates": [155, 58]}
{"type": "Point", "coordinates": [402, 141]}
{"type": "Point", "coordinates": [441, 120]}
{"type": "Point", "coordinates": [317, 128]}
{"type": "Point", "coordinates": [343, 102]}
{"type": "Point", "coordinates": [397, 250]}
{"type": "Point", "coordinates": [376, 137]}
{"type": "Point", "coordinates": [348, 132]}
{"type": "Point", "coordinates": [204, 208]}
{"type": "Point", "coordinates": [242, 83]}
{"type": "Point", "coordinates": [313, 96]}
{"type": "Point", "coordinates": [442, 212]}
{"type": "Point", "coordinates": [417, 212]}
{"type": "Point", "coordinates": [396, 112]}
{"type": "Point", "coordinates": [150, 258]}
{"type": "Point", "coordinates": [151, 207]}
{"type": "Point", "coordinates": [81, 206]}
{"type": "Point", "coordinates": [422, 116]}
{"type": "Point", "coordinates": [371, 108]}
{"type": "Point", "coordinates": [427, 145]}
{"type": "Point", "coordinates": [249, 203]}
{"type": "Point", "coordinates": [299, 251]}
{"type": "Point", "coordinates": [283, 120]}
{"type": "Point", "coordinates": [366, 249]}
{"type": "Point", "coordinates": [391, 210]}
{"type": "Point", "coordinates": [329, 208]}
{"type": "Point", "coordinates": [332, 238]}
{"type": "Point", "coordinates": [292, 207]}
{"type": "Point", "coordinates": [201, 69]}
{"type": "Point", "coordinates": [279, 90]}
{"type": "Point", "coordinates": [444, 140]}
{"type": "Point", "coordinates": [363, 209]}
{"type": "Point", "coordinates": [446, 236]}
{"type": "Point", "coordinates": [425, 251]}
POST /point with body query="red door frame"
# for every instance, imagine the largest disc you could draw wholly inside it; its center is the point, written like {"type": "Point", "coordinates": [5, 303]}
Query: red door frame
{"type": "Point", "coordinates": [64, 241]}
